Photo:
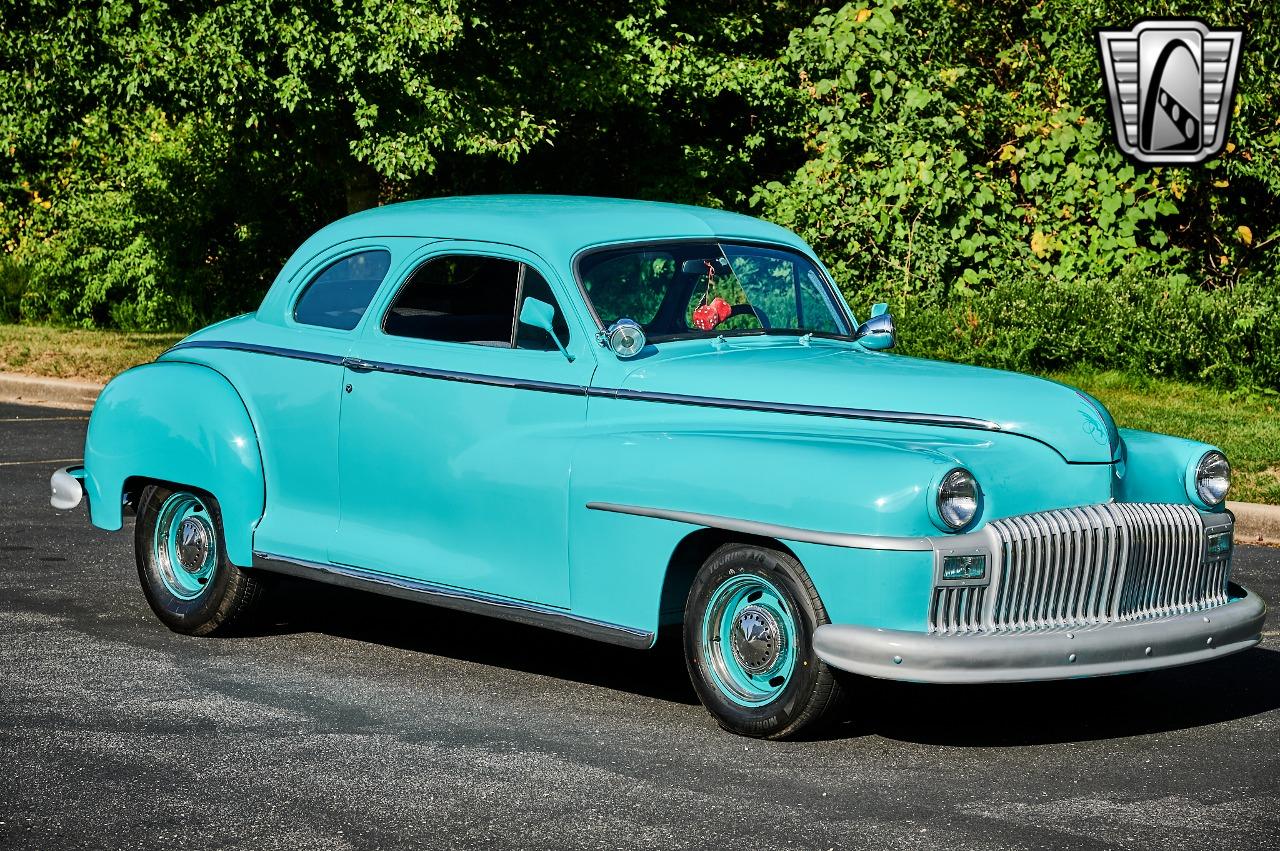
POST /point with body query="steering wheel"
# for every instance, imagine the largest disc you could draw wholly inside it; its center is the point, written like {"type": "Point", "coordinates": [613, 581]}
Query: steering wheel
{"type": "Point", "coordinates": [748, 310]}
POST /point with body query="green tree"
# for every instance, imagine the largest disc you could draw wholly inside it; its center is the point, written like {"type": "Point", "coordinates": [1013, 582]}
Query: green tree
{"type": "Point", "coordinates": [163, 158]}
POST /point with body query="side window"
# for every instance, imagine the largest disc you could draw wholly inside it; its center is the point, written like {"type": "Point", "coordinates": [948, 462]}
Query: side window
{"type": "Point", "coordinates": [457, 299]}
{"type": "Point", "coordinates": [338, 296]}
{"type": "Point", "coordinates": [528, 337]}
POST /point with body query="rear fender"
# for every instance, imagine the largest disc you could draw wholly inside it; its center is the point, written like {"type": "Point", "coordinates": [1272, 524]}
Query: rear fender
{"type": "Point", "coordinates": [181, 423]}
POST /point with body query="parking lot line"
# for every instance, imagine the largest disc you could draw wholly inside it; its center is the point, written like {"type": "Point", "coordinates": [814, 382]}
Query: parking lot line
{"type": "Point", "coordinates": [39, 419]}
{"type": "Point", "coordinates": [48, 461]}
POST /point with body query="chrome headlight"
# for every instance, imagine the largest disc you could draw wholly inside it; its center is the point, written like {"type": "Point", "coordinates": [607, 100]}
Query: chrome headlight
{"type": "Point", "coordinates": [1212, 478]}
{"type": "Point", "coordinates": [957, 500]}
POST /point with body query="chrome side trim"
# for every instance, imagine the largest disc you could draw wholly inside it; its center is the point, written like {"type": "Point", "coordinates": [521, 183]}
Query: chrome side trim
{"type": "Point", "coordinates": [361, 365]}
{"type": "Point", "coordinates": [258, 348]}
{"type": "Point", "coordinates": [772, 530]}
{"type": "Point", "coordinates": [803, 410]}
{"type": "Point", "coordinates": [448, 597]}
{"type": "Point", "coordinates": [466, 377]}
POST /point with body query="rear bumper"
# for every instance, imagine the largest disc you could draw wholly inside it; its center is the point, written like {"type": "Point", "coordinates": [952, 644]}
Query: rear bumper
{"type": "Point", "coordinates": [1111, 648]}
{"type": "Point", "coordinates": [67, 486]}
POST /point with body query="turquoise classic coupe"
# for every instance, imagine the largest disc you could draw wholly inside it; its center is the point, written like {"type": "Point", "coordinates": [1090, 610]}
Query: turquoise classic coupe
{"type": "Point", "coordinates": [605, 416]}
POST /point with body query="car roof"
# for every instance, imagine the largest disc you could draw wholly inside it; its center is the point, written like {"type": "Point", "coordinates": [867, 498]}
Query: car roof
{"type": "Point", "coordinates": [554, 226]}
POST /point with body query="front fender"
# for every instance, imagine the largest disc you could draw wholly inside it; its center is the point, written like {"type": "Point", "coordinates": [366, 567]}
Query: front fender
{"type": "Point", "coordinates": [809, 481]}
{"type": "Point", "coordinates": [808, 474]}
{"type": "Point", "coordinates": [1155, 467]}
{"type": "Point", "coordinates": [182, 423]}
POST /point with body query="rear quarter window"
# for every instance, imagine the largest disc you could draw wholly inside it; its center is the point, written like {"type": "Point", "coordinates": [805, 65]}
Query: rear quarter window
{"type": "Point", "coordinates": [338, 296]}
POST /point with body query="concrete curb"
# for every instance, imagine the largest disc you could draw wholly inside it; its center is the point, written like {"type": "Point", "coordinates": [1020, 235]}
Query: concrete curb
{"type": "Point", "coordinates": [1255, 523]}
{"type": "Point", "coordinates": [54, 392]}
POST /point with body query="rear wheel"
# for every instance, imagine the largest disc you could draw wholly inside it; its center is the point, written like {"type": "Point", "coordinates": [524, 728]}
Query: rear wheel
{"type": "Point", "coordinates": [748, 639]}
{"type": "Point", "coordinates": [182, 562]}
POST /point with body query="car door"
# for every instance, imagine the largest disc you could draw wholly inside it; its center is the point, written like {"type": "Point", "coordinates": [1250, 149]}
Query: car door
{"type": "Point", "coordinates": [458, 425]}
{"type": "Point", "coordinates": [295, 391]}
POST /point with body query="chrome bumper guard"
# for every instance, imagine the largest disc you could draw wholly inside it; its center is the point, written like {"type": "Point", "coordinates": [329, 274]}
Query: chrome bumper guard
{"type": "Point", "coordinates": [1112, 648]}
{"type": "Point", "coordinates": [67, 488]}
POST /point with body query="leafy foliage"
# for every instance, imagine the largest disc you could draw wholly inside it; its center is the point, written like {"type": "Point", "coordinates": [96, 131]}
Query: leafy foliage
{"type": "Point", "coordinates": [952, 157]}
{"type": "Point", "coordinates": [1131, 322]}
{"type": "Point", "coordinates": [961, 167]}
{"type": "Point", "coordinates": [163, 159]}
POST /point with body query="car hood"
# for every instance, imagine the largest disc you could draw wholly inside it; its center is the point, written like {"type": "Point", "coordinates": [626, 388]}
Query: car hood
{"type": "Point", "coordinates": [809, 378]}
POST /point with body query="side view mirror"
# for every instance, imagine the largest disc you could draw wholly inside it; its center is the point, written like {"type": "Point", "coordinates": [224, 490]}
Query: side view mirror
{"type": "Point", "coordinates": [877, 332]}
{"type": "Point", "coordinates": [539, 314]}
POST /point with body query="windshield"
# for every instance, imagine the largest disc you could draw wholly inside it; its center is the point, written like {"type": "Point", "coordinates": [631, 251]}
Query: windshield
{"type": "Point", "coordinates": [684, 290]}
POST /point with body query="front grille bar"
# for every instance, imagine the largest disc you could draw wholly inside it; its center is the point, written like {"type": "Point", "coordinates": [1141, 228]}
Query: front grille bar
{"type": "Point", "coordinates": [1077, 567]}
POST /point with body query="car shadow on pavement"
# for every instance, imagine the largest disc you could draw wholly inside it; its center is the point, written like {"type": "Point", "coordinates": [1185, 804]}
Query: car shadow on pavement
{"type": "Point", "coordinates": [302, 606]}
{"type": "Point", "coordinates": [987, 715]}
{"type": "Point", "coordinates": [1019, 714]}
{"type": "Point", "coordinates": [1015, 714]}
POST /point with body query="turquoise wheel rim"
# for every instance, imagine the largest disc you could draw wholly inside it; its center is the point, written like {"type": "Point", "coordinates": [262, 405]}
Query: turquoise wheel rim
{"type": "Point", "coordinates": [185, 546]}
{"type": "Point", "coordinates": [748, 638]}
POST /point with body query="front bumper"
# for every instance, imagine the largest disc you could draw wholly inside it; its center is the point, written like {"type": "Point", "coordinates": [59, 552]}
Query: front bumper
{"type": "Point", "coordinates": [1110, 648]}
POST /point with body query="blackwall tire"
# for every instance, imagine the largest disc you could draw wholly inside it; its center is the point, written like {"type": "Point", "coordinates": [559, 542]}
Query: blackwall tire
{"type": "Point", "coordinates": [748, 641]}
{"type": "Point", "coordinates": [182, 563]}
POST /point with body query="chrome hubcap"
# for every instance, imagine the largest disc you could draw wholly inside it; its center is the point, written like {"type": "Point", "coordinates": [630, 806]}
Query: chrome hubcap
{"type": "Point", "coordinates": [193, 544]}
{"type": "Point", "coordinates": [756, 641]}
{"type": "Point", "coordinates": [749, 638]}
{"type": "Point", "coordinates": [185, 546]}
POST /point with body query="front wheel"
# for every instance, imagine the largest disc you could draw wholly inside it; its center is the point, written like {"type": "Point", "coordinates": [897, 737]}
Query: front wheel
{"type": "Point", "coordinates": [748, 641]}
{"type": "Point", "coordinates": [182, 562]}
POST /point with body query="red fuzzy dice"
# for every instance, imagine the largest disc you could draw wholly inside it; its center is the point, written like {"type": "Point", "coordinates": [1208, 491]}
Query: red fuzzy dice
{"type": "Point", "coordinates": [708, 316]}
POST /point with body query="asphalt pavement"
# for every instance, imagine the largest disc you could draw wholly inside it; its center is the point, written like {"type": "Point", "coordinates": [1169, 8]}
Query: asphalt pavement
{"type": "Point", "coordinates": [353, 721]}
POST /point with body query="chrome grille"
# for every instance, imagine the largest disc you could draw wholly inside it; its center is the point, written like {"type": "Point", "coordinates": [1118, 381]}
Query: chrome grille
{"type": "Point", "coordinates": [958, 610]}
{"type": "Point", "coordinates": [1094, 564]}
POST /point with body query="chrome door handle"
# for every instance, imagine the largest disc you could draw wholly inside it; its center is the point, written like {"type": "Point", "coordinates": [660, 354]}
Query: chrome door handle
{"type": "Point", "coordinates": [358, 365]}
